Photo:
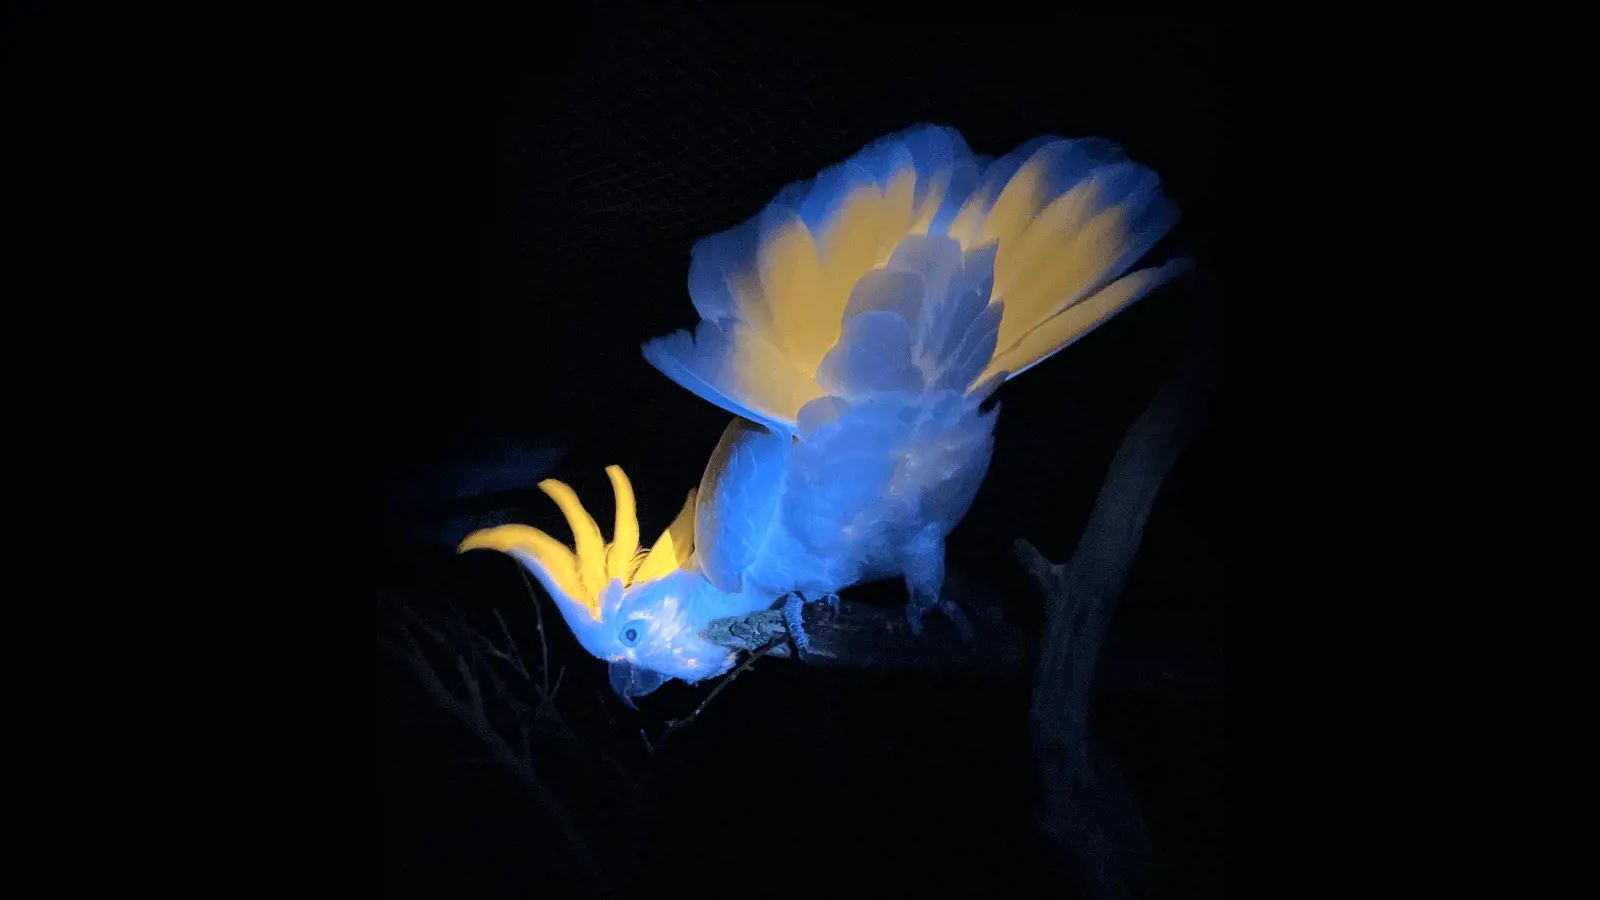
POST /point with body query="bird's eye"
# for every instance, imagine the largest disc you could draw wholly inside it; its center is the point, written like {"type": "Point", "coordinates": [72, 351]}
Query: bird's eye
{"type": "Point", "coordinates": [631, 634]}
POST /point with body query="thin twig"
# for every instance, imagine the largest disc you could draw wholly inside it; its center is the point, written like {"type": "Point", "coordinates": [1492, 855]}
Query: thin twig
{"type": "Point", "coordinates": [538, 618]}
{"type": "Point", "coordinates": [409, 650]}
{"type": "Point", "coordinates": [516, 655]}
{"type": "Point", "coordinates": [677, 724]}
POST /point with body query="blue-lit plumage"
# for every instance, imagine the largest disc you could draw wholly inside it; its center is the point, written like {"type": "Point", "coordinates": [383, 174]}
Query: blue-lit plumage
{"type": "Point", "coordinates": [738, 499]}
{"type": "Point", "coordinates": [854, 326]}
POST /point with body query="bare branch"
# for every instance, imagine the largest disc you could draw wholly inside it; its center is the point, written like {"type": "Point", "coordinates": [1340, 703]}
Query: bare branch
{"type": "Point", "coordinates": [553, 691]}
{"type": "Point", "coordinates": [471, 682]}
{"type": "Point", "coordinates": [405, 647]}
{"type": "Point", "coordinates": [677, 724]}
{"type": "Point", "coordinates": [544, 649]}
{"type": "Point", "coordinates": [1088, 808]}
{"type": "Point", "coordinates": [516, 656]}
{"type": "Point", "coordinates": [865, 636]}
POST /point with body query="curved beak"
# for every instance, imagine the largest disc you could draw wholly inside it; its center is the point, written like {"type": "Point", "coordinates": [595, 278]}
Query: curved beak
{"type": "Point", "coordinates": [629, 681]}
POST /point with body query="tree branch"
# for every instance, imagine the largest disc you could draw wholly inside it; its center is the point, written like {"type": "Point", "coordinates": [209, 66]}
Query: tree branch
{"type": "Point", "coordinates": [865, 636]}
{"type": "Point", "coordinates": [471, 712]}
{"type": "Point", "coordinates": [1087, 807]}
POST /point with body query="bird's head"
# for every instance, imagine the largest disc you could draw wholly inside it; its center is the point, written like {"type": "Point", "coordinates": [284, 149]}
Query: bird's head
{"type": "Point", "coordinates": [640, 610]}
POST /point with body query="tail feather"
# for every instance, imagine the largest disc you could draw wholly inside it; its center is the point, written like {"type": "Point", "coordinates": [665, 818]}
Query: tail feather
{"type": "Point", "coordinates": [936, 261]}
{"type": "Point", "coordinates": [873, 356]}
{"type": "Point", "coordinates": [896, 290]}
{"type": "Point", "coordinates": [965, 300]}
{"type": "Point", "coordinates": [1058, 332]}
{"type": "Point", "coordinates": [916, 266]}
{"type": "Point", "coordinates": [720, 283]}
{"type": "Point", "coordinates": [1078, 243]}
{"type": "Point", "coordinates": [730, 365]}
{"type": "Point", "coordinates": [962, 367]}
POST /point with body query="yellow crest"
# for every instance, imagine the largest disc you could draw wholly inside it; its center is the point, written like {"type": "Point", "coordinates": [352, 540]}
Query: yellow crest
{"type": "Point", "coordinates": [583, 571]}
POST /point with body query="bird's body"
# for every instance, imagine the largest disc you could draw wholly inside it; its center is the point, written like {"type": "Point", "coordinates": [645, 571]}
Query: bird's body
{"type": "Point", "coordinates": [854, 328]}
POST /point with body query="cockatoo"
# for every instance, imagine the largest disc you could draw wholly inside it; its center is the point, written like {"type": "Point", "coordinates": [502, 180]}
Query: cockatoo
{"type": "Point", "coordinates": [854, 328]}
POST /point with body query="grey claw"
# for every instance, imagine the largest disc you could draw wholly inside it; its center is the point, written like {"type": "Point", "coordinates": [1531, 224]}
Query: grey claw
{"type": "Point", "coordinates": [951, 611]}
{"type": "Point", "coordinates": [794, 621]}
{"type": "Point", "coordinates": [959, 619]}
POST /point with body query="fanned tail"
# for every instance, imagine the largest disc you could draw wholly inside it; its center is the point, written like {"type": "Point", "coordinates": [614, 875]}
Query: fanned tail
{"type": "Point", "coordinates": [916, 267]}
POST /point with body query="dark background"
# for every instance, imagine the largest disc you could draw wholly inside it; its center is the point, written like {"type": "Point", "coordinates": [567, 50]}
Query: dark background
{"type": "Point", "coordinates": [546, 172]}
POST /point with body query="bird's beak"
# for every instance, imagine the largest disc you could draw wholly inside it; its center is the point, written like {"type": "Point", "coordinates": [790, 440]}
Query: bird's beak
{"type": "Point", "coordinates": [630, 681]}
